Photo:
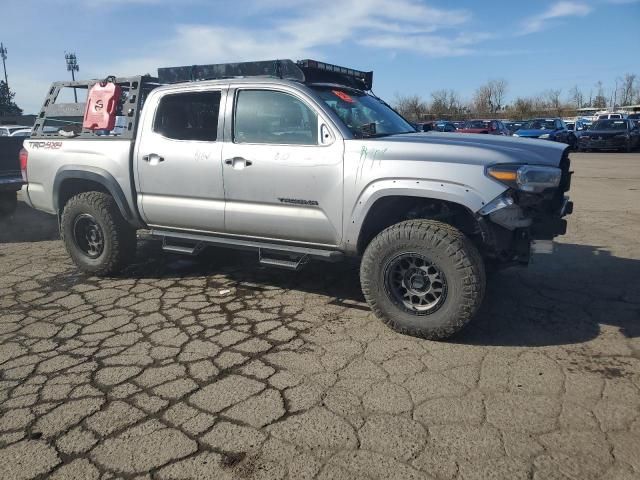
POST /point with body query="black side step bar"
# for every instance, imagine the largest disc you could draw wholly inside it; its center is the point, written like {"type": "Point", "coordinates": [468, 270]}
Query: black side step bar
{"type": "Point", "coordinates": [288, 263]}
{"type": "Point", "coordinates": [192, 243]}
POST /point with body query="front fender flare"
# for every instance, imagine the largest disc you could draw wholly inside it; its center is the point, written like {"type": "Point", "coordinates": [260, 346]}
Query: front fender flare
{"type": "Point", "coordinates": [457, 193]}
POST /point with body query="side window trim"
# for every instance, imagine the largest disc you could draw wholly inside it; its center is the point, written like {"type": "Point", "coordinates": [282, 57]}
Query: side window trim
{"type": "Point", "coordinates": [232, 108]}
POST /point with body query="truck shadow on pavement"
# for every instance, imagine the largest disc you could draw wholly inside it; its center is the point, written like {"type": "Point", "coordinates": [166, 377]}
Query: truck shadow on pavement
{"type": "Point", "coordinates": [564, 298]}
{"type": "Point", "coordinates": [28, 225]}
{"type": "Point", "coordinates": [560, 299]}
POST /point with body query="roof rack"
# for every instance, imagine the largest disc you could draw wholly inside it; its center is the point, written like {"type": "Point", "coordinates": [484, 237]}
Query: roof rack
{"type": "Point", "coordinates": [306, 71]}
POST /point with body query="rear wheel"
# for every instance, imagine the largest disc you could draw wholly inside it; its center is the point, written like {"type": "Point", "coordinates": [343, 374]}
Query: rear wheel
{"type": "Point", "coordinates": [97, 237]}
{"type": "Point", "coordinates": [8, 203]}
{"type": "Point", "coordinates": [423, 278]}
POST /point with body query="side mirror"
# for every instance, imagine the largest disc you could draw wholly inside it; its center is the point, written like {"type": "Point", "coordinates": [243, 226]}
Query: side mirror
{"type": "Point", "coordinates": [326, 137]}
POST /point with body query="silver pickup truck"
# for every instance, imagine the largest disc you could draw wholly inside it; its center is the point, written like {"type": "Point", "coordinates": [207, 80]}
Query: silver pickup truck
{"type": "Point", "coordinates": [301, 163]}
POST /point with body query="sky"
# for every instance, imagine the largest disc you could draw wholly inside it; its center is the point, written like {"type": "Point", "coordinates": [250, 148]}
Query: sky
{"type": "Point", "coordinates": [413, 46]}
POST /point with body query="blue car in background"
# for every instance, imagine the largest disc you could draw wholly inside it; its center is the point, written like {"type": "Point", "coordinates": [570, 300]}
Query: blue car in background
{"type": "Point", "coordinates": [552, 129]}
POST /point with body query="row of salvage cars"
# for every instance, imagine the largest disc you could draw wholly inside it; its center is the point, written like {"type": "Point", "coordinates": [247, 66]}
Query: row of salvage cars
{"type": "Point", "coordinates": [621, 134]}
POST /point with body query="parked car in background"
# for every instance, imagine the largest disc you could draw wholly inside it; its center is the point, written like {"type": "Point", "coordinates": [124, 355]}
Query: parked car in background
{"type": "Point", "coordinates": [513, 125]}
{"type": "Point", "coordinates": [444, 126]}
{"type": "Point", "coordinates": [576, 129]}
{"type": "Point", "coordinates": [552, 129]}
{"type": "Point", "coordinates": [611, 134]}
{"type": "Point", "coordinates": [493, 127]}
{"type": "Point", "coordinates": [424, 126]}
{"type": "Point", "coordinates": [611, 115]}
{"type": "Point", "coordinates": [8, 130]}
{"type": "Point", "coordinates": [23, 132]}
{"type": "Point", "coordinates": [458, 123]}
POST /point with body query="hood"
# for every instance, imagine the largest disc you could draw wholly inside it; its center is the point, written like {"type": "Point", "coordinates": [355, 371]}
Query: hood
{"type": "Point", "coordinates": [468, 148]}
{"type": "Point", "coordinates": [534, 132]}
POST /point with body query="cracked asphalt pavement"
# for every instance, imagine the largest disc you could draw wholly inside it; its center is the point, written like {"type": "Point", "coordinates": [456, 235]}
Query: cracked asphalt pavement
{"type": "Point", "coordinates": [216, 368]}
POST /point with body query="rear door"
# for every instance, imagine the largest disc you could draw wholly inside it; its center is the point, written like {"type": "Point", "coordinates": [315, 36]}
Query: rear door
{"type": "Point", "coordinates": [178, 160]}
{"type": "Point", "coordinates": [283, 168]}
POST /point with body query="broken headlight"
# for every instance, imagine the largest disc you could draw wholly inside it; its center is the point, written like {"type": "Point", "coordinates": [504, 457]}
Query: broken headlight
{"type": "Point", "coordinates": [528, 178]}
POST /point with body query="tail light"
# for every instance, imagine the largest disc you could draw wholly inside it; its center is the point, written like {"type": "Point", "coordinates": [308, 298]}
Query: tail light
{"type": "Point", "coordinates": [24, 157]}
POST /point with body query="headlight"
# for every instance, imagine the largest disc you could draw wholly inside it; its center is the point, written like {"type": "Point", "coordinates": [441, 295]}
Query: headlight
{"type": "Point", "coordinates": [528, 178]}
{"type": "Point", "coordinates": [516, 135]}
{"type": "Point", "coordinates": [544, 135]}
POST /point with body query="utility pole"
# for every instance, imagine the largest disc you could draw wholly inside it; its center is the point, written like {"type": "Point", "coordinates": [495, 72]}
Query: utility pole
{"type": "Point", "coordinates": [72, 66]}
{"type": "Point", "coordinates": [3, 54]}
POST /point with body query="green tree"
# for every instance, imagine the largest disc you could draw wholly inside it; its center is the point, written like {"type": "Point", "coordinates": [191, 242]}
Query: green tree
{"type": "Point", "coordinates": [7, 105]}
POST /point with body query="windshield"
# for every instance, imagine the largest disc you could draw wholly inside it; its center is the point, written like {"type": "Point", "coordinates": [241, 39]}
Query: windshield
{"type": "Point", "coordinates": [609, 125]}
{"type": "Point", "coordinates": [476, 124]}
{"type": "Point", "coordinates": [363, 114]}
{"type": "Point", "coordinates": [540, 125]}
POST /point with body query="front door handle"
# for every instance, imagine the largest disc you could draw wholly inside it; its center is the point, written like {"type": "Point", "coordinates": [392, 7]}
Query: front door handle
{"type": "Point", "coordinates": [153, 159]}
{"type": "Point", "coordinates": [238, 163]}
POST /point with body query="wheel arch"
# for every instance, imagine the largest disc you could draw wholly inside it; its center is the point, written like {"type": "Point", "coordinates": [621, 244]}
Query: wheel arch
{"type": "Point", "coordinates": [382, 205]}
{"type": "Point", "coordinates": [391, 209]}
{"type": "Point", "coordinates": [70, 181]}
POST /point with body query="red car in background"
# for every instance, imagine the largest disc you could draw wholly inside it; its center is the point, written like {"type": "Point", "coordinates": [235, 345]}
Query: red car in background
{"type": "Point", "coordinates": [493, 127]}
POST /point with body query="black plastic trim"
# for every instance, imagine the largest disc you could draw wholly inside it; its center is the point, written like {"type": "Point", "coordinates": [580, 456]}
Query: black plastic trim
{"type": "Point", "coordinates": [102, 177]}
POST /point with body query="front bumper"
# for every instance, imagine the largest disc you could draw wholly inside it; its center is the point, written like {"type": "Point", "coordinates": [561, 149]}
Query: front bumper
{"type": "Point", "coordinates": [603, 143]}
{"type": "Point", "coordinates": [523, 218]}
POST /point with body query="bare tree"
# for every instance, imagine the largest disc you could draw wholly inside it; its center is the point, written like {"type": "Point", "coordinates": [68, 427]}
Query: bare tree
{"type": "Point", "coordinates": [482, 100]}
{"type": "Point", "coordinates": [523, 107]}
{"type": "Point", "coordinates": [576, 97]}
{"type": "Point", "coordinates": [552, 97]}
{"type": "Point", "coordinates": [498, 90]}
{"type": "Point", "coordinates": [411, 107]}
{"type": "Point", "coordinates": [627, 89]}
{"type": "Point", "coordinates": [600, 100]}
{"type": "Point", "coordinates": [489, 98]}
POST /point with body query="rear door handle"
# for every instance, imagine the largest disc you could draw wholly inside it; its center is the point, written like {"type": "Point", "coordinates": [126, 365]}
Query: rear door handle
{"type": "Point", "coordinates": [153, 159]}
{"type": "Point", "coordinates": [238, 163]}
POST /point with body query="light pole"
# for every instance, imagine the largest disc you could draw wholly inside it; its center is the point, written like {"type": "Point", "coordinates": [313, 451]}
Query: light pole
{"type": "Point", "coordinates": [3, 54]}
{"type": "Point", "coordinates": [72, 66]}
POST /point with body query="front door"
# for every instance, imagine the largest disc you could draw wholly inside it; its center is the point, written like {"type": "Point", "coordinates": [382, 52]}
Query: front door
{"type": "Point", "coordinates": [178, 161]}
{"type": "Point", "coordinates": [281, 180]}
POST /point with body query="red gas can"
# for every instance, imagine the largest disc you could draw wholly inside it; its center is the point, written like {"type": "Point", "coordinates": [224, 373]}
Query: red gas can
{"type": "Point", "coordinates": [102, 103]}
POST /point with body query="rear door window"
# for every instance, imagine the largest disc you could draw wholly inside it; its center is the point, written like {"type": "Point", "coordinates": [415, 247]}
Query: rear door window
{"type": "Point", "coordinates": [189, 116]}
{"type": "Point", "coordinates": [272, 117]}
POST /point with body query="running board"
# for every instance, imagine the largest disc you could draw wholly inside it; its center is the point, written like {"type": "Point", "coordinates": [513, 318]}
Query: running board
{"type": "Point", "coordinates": [192, 243]}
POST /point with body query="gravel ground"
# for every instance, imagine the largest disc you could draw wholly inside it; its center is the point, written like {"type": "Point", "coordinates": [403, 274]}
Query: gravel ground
{"type": "Point", "coordinates": [215, 368]}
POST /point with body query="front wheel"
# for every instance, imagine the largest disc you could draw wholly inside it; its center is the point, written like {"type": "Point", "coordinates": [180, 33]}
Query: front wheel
{"type": "Point", "coordinates": [423, 278]}
{"type": "Point", "coordinates": [95, 234]}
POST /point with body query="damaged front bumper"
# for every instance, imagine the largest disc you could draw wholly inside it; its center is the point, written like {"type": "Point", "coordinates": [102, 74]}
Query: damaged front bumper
{"type": "Point", "coordinates": [517, 224]}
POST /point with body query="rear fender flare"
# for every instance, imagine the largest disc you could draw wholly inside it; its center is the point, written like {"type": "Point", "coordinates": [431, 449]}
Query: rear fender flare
{"type": "Point", "coordinates": [103, 178]}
